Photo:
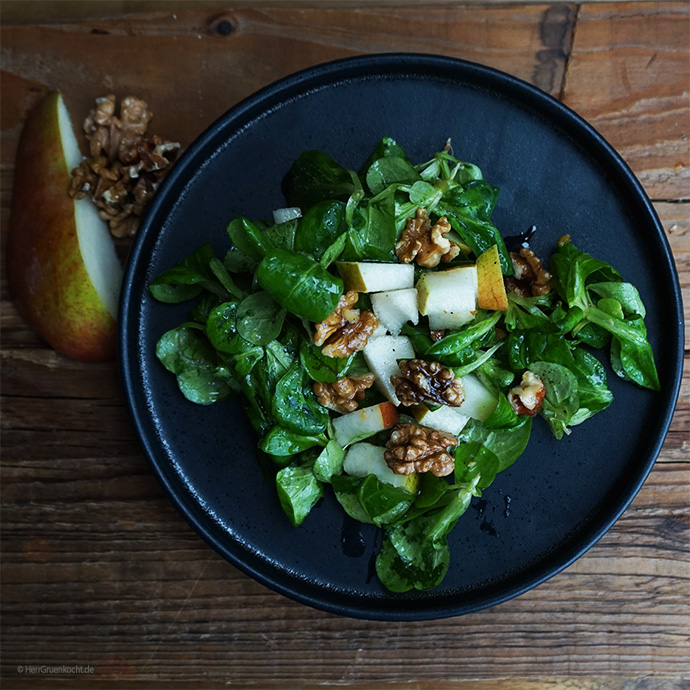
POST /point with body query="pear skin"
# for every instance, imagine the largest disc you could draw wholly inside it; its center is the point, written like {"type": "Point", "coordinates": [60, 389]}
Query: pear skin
{"type": "Point", "coordinates": [491, 289]}
{"type": "Point", "coordinates": [63, 270]}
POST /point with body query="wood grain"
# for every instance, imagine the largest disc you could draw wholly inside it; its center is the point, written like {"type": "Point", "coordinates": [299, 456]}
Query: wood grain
{"type": "Point", "coordinates": [644, 109]}
{"type": "Point", "coordinates": [60, 11]}
{"type": "Point", "coordinates": [99, 569]}
{"type": "Point", "coordinates": [261, 46]}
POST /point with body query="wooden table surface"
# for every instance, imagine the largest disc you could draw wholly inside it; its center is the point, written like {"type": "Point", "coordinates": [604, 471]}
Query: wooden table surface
{"type": "Point", "coordinates": [100, 571]}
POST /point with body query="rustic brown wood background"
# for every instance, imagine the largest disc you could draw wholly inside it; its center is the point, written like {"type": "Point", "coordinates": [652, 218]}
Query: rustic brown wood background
{"type": "Point", "coordinates": [98, 568]}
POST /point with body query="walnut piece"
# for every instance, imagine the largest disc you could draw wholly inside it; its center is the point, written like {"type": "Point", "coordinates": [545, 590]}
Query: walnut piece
{"type": "Point", "coordinates": [425, 243]}
{"type": "Point", "coordinates": [530, 277]}
{"type": "Point", "coordinates": [344, 394]}
{"type": "Point", "coordinates": [527, 397]}
{"type": "Point", "coordinates": [123, 168]}
{"type": "Point", "coordinates": [346, 330]}
{"type": "Point", "coordinates": [420, 380]}
{"type": "Point", "coordinates": [412, 448]}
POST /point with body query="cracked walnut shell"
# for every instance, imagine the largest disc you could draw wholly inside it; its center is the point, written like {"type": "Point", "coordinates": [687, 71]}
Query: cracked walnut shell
{"type": "Point", "coordinates": [425, 243]}
{"type": "Point", "coordinates": [344, 394]}
{"type": "Point", "coordinates": [346, 330]}
{"type": "Point", "coordinates": [414, 448]}
{"type": "Point", "coordinates": [420, 380]}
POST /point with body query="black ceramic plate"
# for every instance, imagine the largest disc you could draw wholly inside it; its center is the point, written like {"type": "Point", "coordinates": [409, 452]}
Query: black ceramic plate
{"type": "Point", "coordinates": [554, 171]}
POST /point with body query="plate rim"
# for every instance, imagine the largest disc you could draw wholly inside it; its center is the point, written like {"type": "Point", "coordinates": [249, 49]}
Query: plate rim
{"type": "Point", "coordinates": [280, 91]}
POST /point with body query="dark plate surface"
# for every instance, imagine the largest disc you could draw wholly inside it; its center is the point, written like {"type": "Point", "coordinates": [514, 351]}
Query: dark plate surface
{"type": "Point", "coordinates": [554, 171]}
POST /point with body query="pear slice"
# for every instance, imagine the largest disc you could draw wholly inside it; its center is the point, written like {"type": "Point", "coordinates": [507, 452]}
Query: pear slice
{"type": "Point", "coordinates": [364, 422]}
{"type": "Point", "coordinates": [365, 276]}
{"type": "Point", "coordinates": [448, 298]}
{"type": "Point", "coordinates": [479, 401]}
{"type": "Point", "coordinates": [363, 459]}
{"type": "Point", "coordinates": [63, 271]}
{"type": "Point", "coordinates": [394, 308]}
{"type": "Point", "coordinates": [382, 355]}
{"type": "Point", "coordinates": [445, 418]}
{"type": "Point", "coordinates": [491, 290]}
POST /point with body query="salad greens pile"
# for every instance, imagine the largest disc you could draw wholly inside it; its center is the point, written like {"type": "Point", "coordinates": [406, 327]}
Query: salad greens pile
{"type": "Point", "coordinates": [250, 331]}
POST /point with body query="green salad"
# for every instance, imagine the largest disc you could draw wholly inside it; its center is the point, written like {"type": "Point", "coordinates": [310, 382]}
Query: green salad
{"type": "Point", "coordinates": [388, 346]}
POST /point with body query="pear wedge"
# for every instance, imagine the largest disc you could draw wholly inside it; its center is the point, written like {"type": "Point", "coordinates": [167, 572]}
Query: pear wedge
{"type": "Point", "coordinates": [63, 270]}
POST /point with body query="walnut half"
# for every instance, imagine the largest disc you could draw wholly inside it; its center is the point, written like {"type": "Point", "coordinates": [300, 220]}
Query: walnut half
{"type": "Point", "coordinates": [530, 277]}
{"type": "Point", "coordinates": [420, 380]}
{"type": "Point", "coordinates": [346, 330]}
{"type": "Point", "coordinates": [527, 397]}
{"type": "Point", "coordinates": [425, 243]}
{"type": "Point", "coordinates": [420, 449]}
{"type": "Point", "coordinates": [344, 394]}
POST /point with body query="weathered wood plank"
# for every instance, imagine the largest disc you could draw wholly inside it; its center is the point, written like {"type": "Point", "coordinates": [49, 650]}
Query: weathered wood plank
{"type": "Point", "coordinates": [61, 11]}
{"type": "Point", "coordinates": [529, 41]}
{"type": "Point", "coordinates": [541, 683]}
{"type": "Point", "coordinates": [164, 585]}
{"type": "Point", "coordinates": [638, 96]}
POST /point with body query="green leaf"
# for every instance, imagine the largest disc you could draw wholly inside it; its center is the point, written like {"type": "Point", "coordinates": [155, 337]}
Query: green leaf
{"type": "Point", "coordinates": [346, 490]}
{"type": "Point", "coordinates": [206, 385]}
{"type": "Point", "coordinates": [561, 401]}
{"type": "Point", "coordinates": [382, 502]}
{"type": "Point", "coordinates": [282, 235]}
{"type": "Point", "coordinates": [295, 406]}
{"type": "Point", "coordinates": [572, 270]}
{"type": "Point", "coordinates": [299, 491]}
{"type": "Point", "coordinates": [239, 262]}
{"type": "Point", "coordinates": [507, 444]}
{"type": "Point", "coordinates": [386, 147]}
{"type": "Point", "coordinates": [476, 361]}
{"type": "Point", "coordinates": [299, 284]}
{"type": "Point", "coordinates": [477, 198]}
{"type": "Point", "coordinates": [221, 273]}
{"type": "Point", "coordinates": [333, 251]}
{"type": "Point", "coordinates": [200, 376]}
{"type": "Point", "coordinates": [320, 227]}
{"type": "Point", "coordinates": [625, 294]}
{"type": "Point", "coordinates": [329, 462]}
{"type": "Point", "coordinates": [315, 177]}
{"type": "Point", "coordinates": [186, 280]}
{"type": "Point", "coordinates": [390, 170]}
{"type": "Point", "coordinates": [465, 336]}
{"type": "Point", "coordinates": [636, 356]}
{"type": "Point", "coordinates": [259, 318]}
{"type": "Point", "coordinates": [247, 238]}
{"type": "Point", "coordinates": [474, 460]}
{"type": "Point", "coordinates": [479, 234]}
{"type": "Point", "coordinates": [280, 441]}
{"type": "Point", "coordinates": [322, 368]}
{"type": "Point", "coordinates": [415, 555]}
{"type": "Point", "coordinates": [221, 327]}
{"type": "Point", "coordinates": [372, 233]}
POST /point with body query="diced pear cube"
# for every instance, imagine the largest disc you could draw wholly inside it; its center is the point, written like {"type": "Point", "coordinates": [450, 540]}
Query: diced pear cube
{"type": "Point", "coordinates": [448, 298]}
{"type": "Point", "coordinates": [382, 355]}
{"type": "Point", "coordinates": [365, 276]}
{"type": "Point", "coordinates": [393, 308]}
{"type": "Point", "coordinates": [364, 422]}
{"type": "Point", "coordinates": [445, 418]}
{"type": "Point", "coordinates": [363, 459]}
{"type": "Point", "coordinates": [479, 401]}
